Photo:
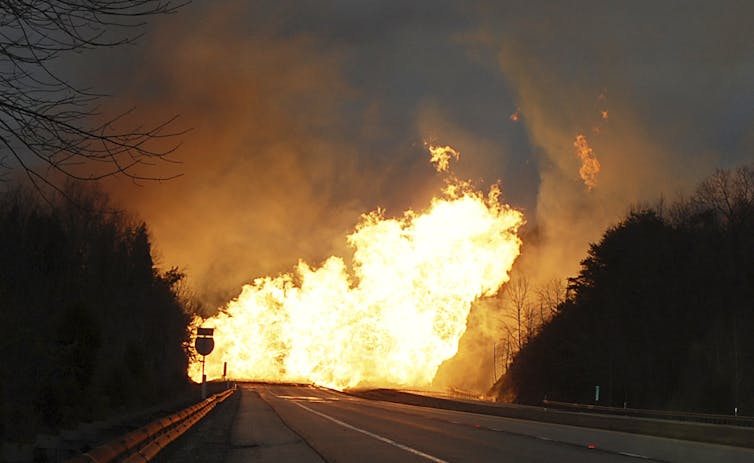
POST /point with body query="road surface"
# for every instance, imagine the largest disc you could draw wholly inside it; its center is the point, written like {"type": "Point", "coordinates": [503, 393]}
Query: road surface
{"type": "Point", "coordinates": [295, 423]}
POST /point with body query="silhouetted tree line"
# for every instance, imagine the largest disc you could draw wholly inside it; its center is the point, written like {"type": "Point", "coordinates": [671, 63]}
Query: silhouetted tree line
{"type": "Point", "coordinates": [661, 314]}
{"type": "Point", "coordinates": [89, 326]}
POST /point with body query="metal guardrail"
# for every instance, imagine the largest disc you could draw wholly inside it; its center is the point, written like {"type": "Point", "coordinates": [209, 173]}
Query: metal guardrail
{"type": "Point", "coordinates": [451, 393]}
{"type": "Point", "coordinates": [746, 421]}
{"type": "Point", "coordinates": [143, 444]}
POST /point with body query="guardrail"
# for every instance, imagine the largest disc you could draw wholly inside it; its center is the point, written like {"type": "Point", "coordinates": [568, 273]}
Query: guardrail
{"type": "Point", "coordinates": [747, 421]}
{"type": "Point", "coordinates": [451, 392]}
{"type": "Point", "coordinates": [143, 444]}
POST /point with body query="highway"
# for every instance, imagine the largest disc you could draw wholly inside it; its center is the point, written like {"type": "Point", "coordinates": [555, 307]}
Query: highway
{"type": "Point", "coordinates": [300, 423]}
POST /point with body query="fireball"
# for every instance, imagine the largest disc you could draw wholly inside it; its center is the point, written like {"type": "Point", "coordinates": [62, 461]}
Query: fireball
{"type": "Point", "coordinates": [391, 318]}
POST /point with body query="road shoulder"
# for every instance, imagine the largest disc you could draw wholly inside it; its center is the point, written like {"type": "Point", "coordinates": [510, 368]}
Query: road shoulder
{"type": "Point", "coordinates": [259, 434]}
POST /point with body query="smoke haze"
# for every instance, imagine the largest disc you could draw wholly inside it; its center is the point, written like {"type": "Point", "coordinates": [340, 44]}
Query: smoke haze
{"type": "Point", "coordinates": [305, 116]}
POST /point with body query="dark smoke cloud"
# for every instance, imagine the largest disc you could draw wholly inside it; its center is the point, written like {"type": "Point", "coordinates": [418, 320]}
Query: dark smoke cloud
{"type": "Point", "coordinates": [674, 78]}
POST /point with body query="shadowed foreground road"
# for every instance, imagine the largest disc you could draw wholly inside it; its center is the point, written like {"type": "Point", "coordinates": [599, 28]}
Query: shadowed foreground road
{"type": "Point", "coordinates": [282, 423]}
{"type": "Point", "coordinates": [290, 423]}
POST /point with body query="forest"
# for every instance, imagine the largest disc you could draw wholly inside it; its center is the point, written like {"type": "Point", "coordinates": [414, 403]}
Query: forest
{"type": "Point", "coordinates": [661, 313]}
{"type": "Point", "coordinates": [91, 327]}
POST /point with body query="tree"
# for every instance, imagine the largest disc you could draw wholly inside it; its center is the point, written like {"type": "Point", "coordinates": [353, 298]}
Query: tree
{"type": "Point", "coordinates": [527, 317]}
{"type": "Point", "coordinates": [729, 194]}
{"type": "Point", "coordinates": [658, 316]}
{"type": "Point", "coordinates": [97, 329]}
{"type": "Point", "coordinates": [550, 296]}
{"type": "Point", "coordinates": [518, 293]}
{"type": "Point", "coordinates": [49, 127]}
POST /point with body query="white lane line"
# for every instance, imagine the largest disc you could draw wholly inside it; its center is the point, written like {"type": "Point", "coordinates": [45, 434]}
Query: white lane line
{"type": "Point", "coordinates": [635, 455]}
{"type": "Point", "coordinates": [371, 434]}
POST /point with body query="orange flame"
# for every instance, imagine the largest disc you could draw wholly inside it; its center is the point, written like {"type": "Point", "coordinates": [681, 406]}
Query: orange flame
{"type": "Point", "coordinates": [441, 155]}
{"type": "Point", "coordinates": [590, 166]}
{"type": "Point", "coordinates": [391, 319]}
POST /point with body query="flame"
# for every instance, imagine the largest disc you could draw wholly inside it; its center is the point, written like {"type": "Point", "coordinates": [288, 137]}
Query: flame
{"type": "Point", "coordinates": [393, 318]}
{"type": "Point", "coordinates": [590, 166]}
{"type": "Point", "coordinates": [441, 155]}
{"type": "Point", "coordinates": [604, 114]}
{"type": "Point", "coordinates": [516, 115]}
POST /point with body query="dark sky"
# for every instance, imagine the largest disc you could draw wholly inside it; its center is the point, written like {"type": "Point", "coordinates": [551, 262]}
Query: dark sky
{"type": "Point", "coordinates": [307, 114]}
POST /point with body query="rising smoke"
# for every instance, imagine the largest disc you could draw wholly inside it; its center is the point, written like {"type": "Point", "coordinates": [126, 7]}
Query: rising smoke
{"type": "Point", "coordinates": [305, 118]}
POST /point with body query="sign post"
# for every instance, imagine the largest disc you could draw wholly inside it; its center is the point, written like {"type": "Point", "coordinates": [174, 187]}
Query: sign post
{"type": "Point", "coordinates": [225, 374]}
{"type": "Point", "coordinates": [204, 345]}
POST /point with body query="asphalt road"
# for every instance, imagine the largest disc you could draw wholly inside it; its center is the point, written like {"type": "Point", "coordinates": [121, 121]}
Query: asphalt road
{"type": "Point", "coordinates": [291, 423]}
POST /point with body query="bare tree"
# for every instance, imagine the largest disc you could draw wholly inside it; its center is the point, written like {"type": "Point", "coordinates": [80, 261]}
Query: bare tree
{"type": "Point", "coordinates": [526, 315]}
{"type": "Point", "coordinates": [518, 294]}
{"type": "Point", "coordinates": [503, 351]}
{"type": "Point", "coordinates": [531, 321]}
{"type": "Point", "coordinates": [728, 193]}
{"type": "Point", "coordinates": [550, 295]}
{"type": "Point", "coordinates": [51, 128]}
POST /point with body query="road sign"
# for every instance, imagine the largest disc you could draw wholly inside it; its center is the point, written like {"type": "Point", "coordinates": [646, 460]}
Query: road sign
{"type": "Point", "coordinates": [204, 343]}
{"type": "Point", "coordinates": [205, 331]}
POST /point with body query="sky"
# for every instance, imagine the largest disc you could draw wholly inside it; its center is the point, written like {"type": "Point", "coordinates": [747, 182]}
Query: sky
{"type": "Point", "coordinates": [305, 115]}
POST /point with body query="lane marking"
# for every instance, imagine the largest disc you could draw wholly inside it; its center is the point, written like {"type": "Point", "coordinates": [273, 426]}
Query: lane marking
{"type": "Point", "coordinates": [634, 455]}
{"type": "Point", "coordinates": [433, 458]}
{"type": "Point", "coordinates": [373, 435]}
{"type": "Point", "coordinates": [304, 397]}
